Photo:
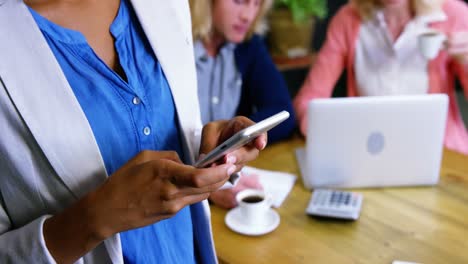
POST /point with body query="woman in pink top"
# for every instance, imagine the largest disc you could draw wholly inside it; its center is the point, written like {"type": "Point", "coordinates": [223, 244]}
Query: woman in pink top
{"type": "Point", "coordinates": [376, 42]}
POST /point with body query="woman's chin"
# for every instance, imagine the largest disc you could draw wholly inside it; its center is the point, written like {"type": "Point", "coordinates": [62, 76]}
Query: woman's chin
{"type": "Point", "coordinates": [236, 38]}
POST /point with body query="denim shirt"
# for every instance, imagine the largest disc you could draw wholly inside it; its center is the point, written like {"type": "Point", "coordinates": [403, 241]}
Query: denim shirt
{"type": "Point", "coordinates": [219, 82]}
{"type": "Point", "coordinates": [127, 115]}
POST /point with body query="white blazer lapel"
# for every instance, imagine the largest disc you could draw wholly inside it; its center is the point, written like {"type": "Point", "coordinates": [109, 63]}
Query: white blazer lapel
{"type": "Point", "coordinates": [42, 96]}
{"type": "Point", "coordinates": [44, 99]}
{"type": "Point", "coordinates": [168, 28]}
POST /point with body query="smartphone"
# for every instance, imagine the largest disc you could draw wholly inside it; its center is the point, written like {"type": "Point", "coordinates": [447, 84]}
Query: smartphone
{"type": "Point", "coordinates": [241, 138]}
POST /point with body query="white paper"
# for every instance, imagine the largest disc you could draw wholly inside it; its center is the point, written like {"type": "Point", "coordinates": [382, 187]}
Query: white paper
{"type": "Point", "coordinates": [276, 184]}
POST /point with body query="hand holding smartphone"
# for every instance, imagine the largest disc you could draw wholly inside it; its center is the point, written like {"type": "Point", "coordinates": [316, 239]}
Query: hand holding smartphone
{"type": "Point", "coordinates": [241, 138]}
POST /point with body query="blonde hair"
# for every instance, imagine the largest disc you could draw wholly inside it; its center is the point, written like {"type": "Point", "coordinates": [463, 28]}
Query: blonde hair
{"type": "Point", "coordinates": [202, 22]}
{"type": "Point", "coordinates": [420, 7]}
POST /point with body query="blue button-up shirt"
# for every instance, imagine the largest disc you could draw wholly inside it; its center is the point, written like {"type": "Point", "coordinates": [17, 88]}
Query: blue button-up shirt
{"type": "Point", "coordinates": [127, 115]}
{"type": "Point", "coordinates": [219, 82]}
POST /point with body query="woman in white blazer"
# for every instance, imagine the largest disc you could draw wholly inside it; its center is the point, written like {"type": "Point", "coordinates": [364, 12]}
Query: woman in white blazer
{"type": "Point", "coordinates": [57, 201]}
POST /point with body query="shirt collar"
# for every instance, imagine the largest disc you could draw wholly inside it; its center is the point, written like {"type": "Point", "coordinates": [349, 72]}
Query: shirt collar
{"type": "Point", "coordinates": [379, 18]}
{"type": "Point", "coordinates": [435, 16]}
{"type": "Point", "coordinates": [72, 36]}
{"type": "Point", "coordinates": [122, 19]}
{"type": "Point", "coordinates": [200, 51]}
{"type": "Point", "coordinates": [201, 54]}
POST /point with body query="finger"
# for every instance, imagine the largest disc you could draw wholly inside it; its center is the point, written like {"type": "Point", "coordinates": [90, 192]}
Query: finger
{"type": "Point", "coordinates": [238, 157]}
{"type": "Point", "coordinates": [235, 125]}
{"type": "Point", "coordinates": [215, 133]}
{"type": "Point", "coordinates": [458, 36]}
{"type": "Point", "coordinates": [224, 199]}
{"type": "Point", "coordinates": [261, 141]}
{"type": "Point", "coordinates": [457, 40]}
{"type": "Point", "coordinates": [172, 207]}
{"type": "Point", "coordinates": [458, 51]}
{"type": "Point", "coordinates": [457, 45]}
{"type": "Point", "coordinates": [147, 155]}
{"type": "Point", "coordinates": [210, 179]}
{"type": "Point", "coordinates": [228, 128]}
{"type": "Point", "coordinates": [243, 155]}
{"type": "Point", "coordinates": [211, 136]}
{"type": "Point", "coordinates": [188, 176]}
{"type": "Point", "coordinates": [199, 190]}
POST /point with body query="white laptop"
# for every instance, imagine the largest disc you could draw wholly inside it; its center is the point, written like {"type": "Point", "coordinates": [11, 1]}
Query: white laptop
{"type": "Point", "coordinates": [374, 141]}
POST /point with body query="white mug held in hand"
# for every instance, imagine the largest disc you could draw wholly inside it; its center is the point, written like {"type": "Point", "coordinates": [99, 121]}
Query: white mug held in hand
{"type": "Point", "coordinates": [254, 206]}
{"type": "Point", "coordinates": [430, 43]}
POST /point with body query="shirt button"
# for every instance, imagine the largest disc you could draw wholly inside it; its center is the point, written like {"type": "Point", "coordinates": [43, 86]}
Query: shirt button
{"type": "Point", "coordinates": [146, 131]}
{"type": "Point", "coordinates": [204, 58]}
{"type": "Point", "coordinates": [239, 82]}
{"type": "Point", "coordinates": [136, 100]}
{"type": "Point", "coordinates": [215, 100]}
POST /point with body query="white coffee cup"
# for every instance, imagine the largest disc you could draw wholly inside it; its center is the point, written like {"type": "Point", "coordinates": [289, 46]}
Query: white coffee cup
{"type": "Point", "coordinates": [254, 206]}
{"type": "Point", "coordinates": [430, 43]}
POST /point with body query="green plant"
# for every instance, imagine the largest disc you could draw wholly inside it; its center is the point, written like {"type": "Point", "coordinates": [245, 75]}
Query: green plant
{"type": "Point", "coordinates": [303, 9]}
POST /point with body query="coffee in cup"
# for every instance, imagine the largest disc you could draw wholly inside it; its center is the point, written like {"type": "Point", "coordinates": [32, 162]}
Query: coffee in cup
{"type": "Point", "coordinates": [254, 206]}
{"type": "Point", "coordinates": [253, 199]}
{"type": "Point", "coordinates": [430, 43]}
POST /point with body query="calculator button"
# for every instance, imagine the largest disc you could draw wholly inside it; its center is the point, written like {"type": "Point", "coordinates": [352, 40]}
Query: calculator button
{"type": "Point", "coordinates": [335, 204]}
{"type": "Point", "coordinates": [316, 201]}
{"type": "Point", "coordinates": [334, 198]}
{"type": "Point", "coordinates": [347, 199]}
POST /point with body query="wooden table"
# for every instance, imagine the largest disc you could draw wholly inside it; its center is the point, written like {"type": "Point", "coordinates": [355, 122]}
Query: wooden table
{"type": "Point", "coordinates": [423, 224]}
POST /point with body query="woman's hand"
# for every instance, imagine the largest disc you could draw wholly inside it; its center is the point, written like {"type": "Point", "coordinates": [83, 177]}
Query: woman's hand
{"type": "Point", "coordinates": [227, 198]}
{"type": "Point", "coordinates": [457, 46]}
{"type": "Point", "coordinates": [151, 187]}
{"type": "Point", "coordinates": [154, 186]}
{"type": "Point", "coordinates": [214, 133]}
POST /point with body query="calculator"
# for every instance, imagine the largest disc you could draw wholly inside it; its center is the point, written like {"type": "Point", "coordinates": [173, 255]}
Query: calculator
{"type": "Point", "coordinates": [335, 204]}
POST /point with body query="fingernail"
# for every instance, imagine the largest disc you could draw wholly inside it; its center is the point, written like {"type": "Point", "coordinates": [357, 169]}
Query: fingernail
{"type": "Point", "coordinates": [231, 169]}
{"type": "Point", "coordinates": [263, 144]}
{"type": "Point", "coordinates": [231, 159]}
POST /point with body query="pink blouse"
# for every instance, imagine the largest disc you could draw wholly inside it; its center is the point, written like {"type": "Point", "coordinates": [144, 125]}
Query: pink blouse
{"type": "Point", "coordinates": [339, 51]}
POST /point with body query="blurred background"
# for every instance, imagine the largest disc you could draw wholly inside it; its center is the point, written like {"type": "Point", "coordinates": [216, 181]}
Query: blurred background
{"type": "Point", "coordinates": [297, 30]}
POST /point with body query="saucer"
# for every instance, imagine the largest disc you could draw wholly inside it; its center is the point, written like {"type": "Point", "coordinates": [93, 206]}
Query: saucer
{"type": "Point", "coordinates": [234, 222]}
